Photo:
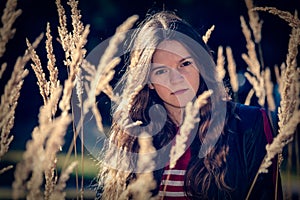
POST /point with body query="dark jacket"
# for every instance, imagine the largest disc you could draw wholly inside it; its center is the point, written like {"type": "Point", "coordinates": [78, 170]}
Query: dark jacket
{"type": "Point", "coordinates": [247, 148]}
{"type": "Point", "coordinates": [246, 140]}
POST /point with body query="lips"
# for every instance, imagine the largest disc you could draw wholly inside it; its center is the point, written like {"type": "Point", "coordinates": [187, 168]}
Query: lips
{"type": "Point", "coordinates": [178, 92]}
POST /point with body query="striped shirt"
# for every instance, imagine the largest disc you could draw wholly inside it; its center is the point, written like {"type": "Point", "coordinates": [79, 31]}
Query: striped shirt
{"type": "Point", "coordinates": [172, 182]}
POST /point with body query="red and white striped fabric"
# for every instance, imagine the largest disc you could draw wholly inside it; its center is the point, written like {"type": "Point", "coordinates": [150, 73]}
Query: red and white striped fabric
{"type": "Point", "coordinates": [172, 182]}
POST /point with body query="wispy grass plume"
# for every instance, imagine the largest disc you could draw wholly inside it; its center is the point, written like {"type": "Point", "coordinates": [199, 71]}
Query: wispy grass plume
{"type": "Point", "coordinates": [102, 75]}
{"type": "Point", "coordinates": [9, 100]}
{"type": "Point", "coordinates": [232, 70]}
{"type": "Point", "coordinates": [140, 189]}
{"type": "Point", "coordinates": [190, 119]}
{"type": "Point", "coordinates": [208, 34]}
{"type": "Point", "coordinates": [220, 65]}
{"type": "Point", "coordinates": [288, 112]}
{"type": "Point", "coordinates": [9, 16]}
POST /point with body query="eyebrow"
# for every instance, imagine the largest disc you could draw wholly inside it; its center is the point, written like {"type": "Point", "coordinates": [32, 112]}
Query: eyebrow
{"type": "Point", "coordinates": [158, 67]}
{"type": "Point", "coordinates": [185, 58]}
{"type": "Point", "coordinates": [162, 66]}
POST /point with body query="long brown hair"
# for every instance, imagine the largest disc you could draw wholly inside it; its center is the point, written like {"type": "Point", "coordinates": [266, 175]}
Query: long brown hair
{"type": "Point", "coordinates": [135, 104]}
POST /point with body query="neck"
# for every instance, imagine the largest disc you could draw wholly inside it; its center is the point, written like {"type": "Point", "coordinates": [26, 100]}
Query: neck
{"type": "Point", "coordinates": [175, 113]}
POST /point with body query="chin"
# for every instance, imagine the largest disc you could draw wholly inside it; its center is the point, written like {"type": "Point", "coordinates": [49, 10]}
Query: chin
{"type": "Point", "coordinates": [180, 105]}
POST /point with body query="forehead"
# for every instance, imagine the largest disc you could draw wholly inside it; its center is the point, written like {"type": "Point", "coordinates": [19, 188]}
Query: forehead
{"type": "Point", "coordinates": [171, 47]}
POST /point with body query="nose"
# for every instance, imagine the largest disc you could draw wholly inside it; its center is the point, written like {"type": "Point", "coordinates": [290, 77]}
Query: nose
{"type": "Point", "coordinates": [175, 76]}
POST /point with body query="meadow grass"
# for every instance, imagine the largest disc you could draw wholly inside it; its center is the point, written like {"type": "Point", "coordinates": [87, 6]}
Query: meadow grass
{"type": "Point", "coordinates": [41, 171]}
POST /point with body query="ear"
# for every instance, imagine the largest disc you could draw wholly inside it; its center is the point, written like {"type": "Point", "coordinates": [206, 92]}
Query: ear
{"type": "Point", "coordinates": [150, 85]}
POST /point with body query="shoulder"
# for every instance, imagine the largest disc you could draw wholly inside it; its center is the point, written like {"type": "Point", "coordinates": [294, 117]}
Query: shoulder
{"type": "Point", "coordinates": [244, 117]}
{"type": "Point", "coordinates": [249, 131]}
{"type": "Point", "coordinates": [249, 114]}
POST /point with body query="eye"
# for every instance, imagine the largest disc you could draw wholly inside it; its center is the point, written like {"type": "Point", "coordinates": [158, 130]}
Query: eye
{"type": "Point", "coordinates": [160, 71]}
{"type": "Point", "coordinates": [186, 63]}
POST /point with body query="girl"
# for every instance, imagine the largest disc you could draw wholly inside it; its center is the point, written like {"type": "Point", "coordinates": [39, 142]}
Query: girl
{"type": "Point", "coordinates": [169, 66]}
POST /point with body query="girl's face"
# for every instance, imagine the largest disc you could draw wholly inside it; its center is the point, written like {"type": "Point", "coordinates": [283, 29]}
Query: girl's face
{"type": "Point", "coordinates": [174, 75]}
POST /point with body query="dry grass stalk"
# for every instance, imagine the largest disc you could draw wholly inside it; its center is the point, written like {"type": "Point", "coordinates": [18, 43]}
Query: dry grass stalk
{"type": "Point", "coordinates": [134, 83]}
{"type": "Point", "coordinates": [99, 78]}
{"type": "Point", "coordinates": [40, 156]}
{"type": "Point", "coordinates": [279, 73]}
{"type": "Point", "coordinates": [75, 40]}
{"type": "Point", "coordinates": [9, 101]}
{"type": "Point", "coordinates": [76, 60]}
{"type": "Point", "coordinates": [50, 179]}
{"type": "Point", "coordinates": [290, 95]}
{"type": "Point", "coordinates": [58, 191]}
{"type": "Point", "coordinates": [191, 118]}
{"type": "Point", "coordinates": [136, 90]}
{"type": "Point", "coordinates": [292, 20]}
{"type": "Point", "coordinates": [288, 121]}
{"type": "Point", "coordinates": [288, 190]}
{"type": "Point", "coordinates": [257, 77]}
{"type": "Point", "coordinates": [106, 77]}
{"type": "Point", "coordinates": [39, 73]}
{"type": "Point", "coordinates": [288, 112]}
{"type": "Point", "coordinates": [220, 65]}
{"type": "Point", "coordinates": [114, 186]}
{"type": "Point", "coordinates": [269, 89]}
{"type": "Point", "coordinates": [250, 58]}
{"type": "Point", "coordinates": [48, 137]}
{"type": "Point", "coordinates": [256, 26]}
{"type": "Point", "coordinates": [111, 185]}
{"type": "Point", "coordinates": [258, 88]}
{"type": "Point", "coordinates": [33, 158]}
{"type": "Point", "coordinates": [53, 146]}
{"type": "Point", "coordinates": [51, 66]}
{"type": "Point", "coordinates": [64, 36]}
{"type": "Point", "coordinates": [3, 68]}
{"type": "Point", "coordinates": [114, 179]}
{"type": "Point", "coordinates": [73, 44]}
{"type": "Point", "coordinates": [79, 85]}
{"type": "Point", "coordinates": [98, 117]}
{"type": "Point", "coordinates": [140, 189]}
{"type": "Point", "coordinates": [254, 21]}
{"type": "Point", "coordinates": [232, 70]}
{"type": "Point", "coordinates": [5, 169]}
{"type": "Point", "coordinates": [107, 60]}
{"type": "Point", "coordinates": [136, 123]}
{"type": "Point", "coordinates": [46, 87]}
{"type": "Point", "coordinates": [208, 33]}
{"type": "Point", "coordinates": [297, 152]}
{"type": "Point", "coordinates": [191, 112]}
{"type": "Point", "coordinates": [249, 96]}
{"type": "Point", "coordinates": [73, 146]}
{"type": "Point", "coordinates": [9, 16]}
{"type": "Point", "coordinates": [77, 25]}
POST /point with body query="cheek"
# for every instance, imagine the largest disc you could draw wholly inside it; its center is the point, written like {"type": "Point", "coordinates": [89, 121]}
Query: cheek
{"type": "Point", "coordinates": [194, 81]}
{"type": "Point", "coordinates": [161, 90]}
{"type": "Point", "coordinates": [196, 84]}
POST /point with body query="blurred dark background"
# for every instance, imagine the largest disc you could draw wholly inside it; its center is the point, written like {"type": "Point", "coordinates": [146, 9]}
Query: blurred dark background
{"type": "Point", "coordinates": [104, 16]}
